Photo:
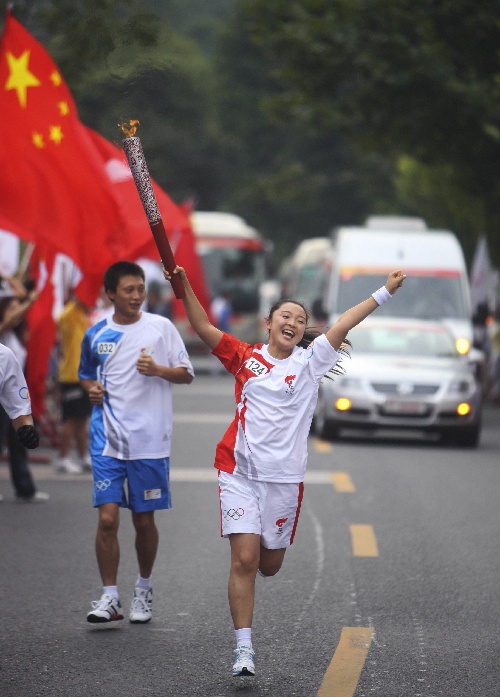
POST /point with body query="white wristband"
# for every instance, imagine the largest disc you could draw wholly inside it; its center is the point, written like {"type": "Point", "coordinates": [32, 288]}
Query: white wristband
{"type": "Point", "coordinates": [381, 295]}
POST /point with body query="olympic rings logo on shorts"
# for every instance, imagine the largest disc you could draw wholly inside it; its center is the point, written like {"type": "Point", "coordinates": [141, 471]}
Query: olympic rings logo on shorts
{"type": "Point", "coordinates": [103, 484]}
{"type": "Point", "coordinates": [233, 513]}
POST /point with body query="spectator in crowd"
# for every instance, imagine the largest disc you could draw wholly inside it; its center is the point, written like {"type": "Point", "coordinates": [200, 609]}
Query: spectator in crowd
{"type": "Point", "coordinates": [158, 300]}
{"type": "Point", "coordinates": [75, 405]}
{"type": "Point", "coordinates": [15, 302]}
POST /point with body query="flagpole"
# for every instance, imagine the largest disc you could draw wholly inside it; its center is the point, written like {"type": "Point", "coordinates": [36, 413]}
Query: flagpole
{"type": "Point", "coordinates": [25, 259]}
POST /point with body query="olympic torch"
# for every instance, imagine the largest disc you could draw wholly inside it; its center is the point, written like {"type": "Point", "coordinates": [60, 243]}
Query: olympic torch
{"type": "Point", "coordinates": [137, 162]}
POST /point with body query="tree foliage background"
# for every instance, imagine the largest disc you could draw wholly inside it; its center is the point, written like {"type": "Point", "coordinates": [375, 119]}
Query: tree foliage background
{"type": "Point", "coordinates": [299, 115]}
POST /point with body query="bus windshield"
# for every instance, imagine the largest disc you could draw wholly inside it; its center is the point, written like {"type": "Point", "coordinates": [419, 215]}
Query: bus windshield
{"type": "Point", "coordinates": [234, 272]}
{"type": "Point", "coordinates": [425, 297]}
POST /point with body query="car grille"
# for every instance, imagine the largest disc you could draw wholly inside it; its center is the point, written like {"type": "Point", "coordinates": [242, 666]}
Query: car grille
{"type": "Point", "coordinates": [406, 389]}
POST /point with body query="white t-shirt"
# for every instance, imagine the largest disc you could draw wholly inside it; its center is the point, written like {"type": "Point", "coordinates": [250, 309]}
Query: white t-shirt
{"type": "Point", "coordinates": [135, 420]}
{"type": "Point", "coordinates": [14, 395]}
{"type": "Point", "coordinates": [267, 440]}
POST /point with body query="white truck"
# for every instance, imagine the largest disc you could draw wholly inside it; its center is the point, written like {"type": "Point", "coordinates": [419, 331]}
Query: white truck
{"type": "Point", "coordinates": [436, 287]}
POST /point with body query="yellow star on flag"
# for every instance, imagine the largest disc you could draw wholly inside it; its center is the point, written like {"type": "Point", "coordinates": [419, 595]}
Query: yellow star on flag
{"type": "Point", "coordinates": [20, 77]}
{"type": "Point", "coordinates": [63, 108]}
{"type": "Point", "coordinates": [55, 78]}
{"type": "Point", "coordinates": [37, 139]}
{"type": "Point", "coordinates": [56, 134]}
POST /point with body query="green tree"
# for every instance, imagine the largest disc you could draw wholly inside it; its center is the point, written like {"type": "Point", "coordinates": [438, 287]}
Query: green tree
{"type": "Point", "coordinates": [398, 78]}
{"type": "Point", "coordinates": [285, 177]}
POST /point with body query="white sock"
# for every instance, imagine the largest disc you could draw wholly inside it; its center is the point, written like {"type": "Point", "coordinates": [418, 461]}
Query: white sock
{"type": "Point", "coordinates": [111, 590]}
{"type": "Point", "coordinates": [243, 636]}
{"type": "Point", "coordinates": [144, 583]}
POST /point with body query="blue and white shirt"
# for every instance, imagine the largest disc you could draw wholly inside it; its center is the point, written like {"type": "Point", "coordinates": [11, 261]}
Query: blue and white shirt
{"type": "Point", "coordinates": [135, 420]}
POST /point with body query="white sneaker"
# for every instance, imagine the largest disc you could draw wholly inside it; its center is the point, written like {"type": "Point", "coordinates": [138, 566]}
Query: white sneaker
{"type": "Point", "coordinates": [107, 609]}
{"type": "Point", "coordinates": [244, 657]}
{"type": "Point", "coordinates": [141, 609]}
{"type": "Point", "coordinates": [67, 466]}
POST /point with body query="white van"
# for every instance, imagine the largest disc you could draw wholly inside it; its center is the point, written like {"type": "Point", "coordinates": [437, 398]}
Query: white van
{"type": "Point", "coordinates": [436, 287]}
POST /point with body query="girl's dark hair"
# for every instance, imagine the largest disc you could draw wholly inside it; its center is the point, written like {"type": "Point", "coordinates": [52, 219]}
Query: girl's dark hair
{"type": "Point", "coordinates": [312, 333]}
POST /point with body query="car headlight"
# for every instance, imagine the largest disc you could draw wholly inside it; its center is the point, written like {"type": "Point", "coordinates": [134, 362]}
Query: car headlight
{"type": "Point", "coordinates": [462, 385]}
{"type": "Point", "coordinates": [462, 345]}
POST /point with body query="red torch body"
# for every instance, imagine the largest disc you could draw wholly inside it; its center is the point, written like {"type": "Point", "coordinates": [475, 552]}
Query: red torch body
{"type": "Point", "coordinates": [137, 162]}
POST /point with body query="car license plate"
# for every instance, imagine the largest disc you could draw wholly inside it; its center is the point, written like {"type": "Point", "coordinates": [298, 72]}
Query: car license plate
{"type": "Point", "coordinates": [397, 407]}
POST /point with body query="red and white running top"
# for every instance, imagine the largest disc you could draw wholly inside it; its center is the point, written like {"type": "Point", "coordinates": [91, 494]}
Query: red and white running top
{"type": "Point", "coordinates": [275, 399]}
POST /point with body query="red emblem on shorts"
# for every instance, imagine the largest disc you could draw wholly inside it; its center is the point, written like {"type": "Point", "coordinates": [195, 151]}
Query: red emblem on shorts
{"type": "Point", "coordinates": [281, 521]}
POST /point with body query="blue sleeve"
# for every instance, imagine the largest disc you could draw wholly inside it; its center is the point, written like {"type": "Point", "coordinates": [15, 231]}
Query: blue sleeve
{"type": "Point", "coordinates": [88, 365]}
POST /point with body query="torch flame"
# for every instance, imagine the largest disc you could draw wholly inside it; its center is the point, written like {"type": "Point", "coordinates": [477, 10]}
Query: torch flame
{"type": "Point", "coordinates": [129, 127]}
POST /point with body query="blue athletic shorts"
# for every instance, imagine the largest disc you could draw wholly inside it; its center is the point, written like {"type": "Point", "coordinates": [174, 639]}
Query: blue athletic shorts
{"type": "Point", "coordinates": [141, 485]}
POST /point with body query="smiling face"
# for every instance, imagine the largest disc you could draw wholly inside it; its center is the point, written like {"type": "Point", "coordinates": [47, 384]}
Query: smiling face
{"type": "Point", "coordinates": [286, 326]}
{"type": "Point", "coordinates": [128, 297]}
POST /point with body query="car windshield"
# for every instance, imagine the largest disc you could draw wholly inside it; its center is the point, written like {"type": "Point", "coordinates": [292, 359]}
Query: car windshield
{"type": "Point", "coordinates": [425, 297]}
{"type": "Point", "coordinates": [310, 283]}
{"type": "Point", "coordinates": [234, 272]}
{"type": "Point", "coordinates": [402, 341]}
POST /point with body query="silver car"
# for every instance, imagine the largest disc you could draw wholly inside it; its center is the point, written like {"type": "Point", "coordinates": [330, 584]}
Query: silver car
{"type": "Point", "coordinates": [402, 374]}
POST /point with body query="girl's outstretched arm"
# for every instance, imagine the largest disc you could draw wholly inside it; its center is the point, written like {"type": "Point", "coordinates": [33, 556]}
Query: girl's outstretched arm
{"type": "Point", "coordinates": [337, 333]}
{"type": "Point", "coordinates": [197, 316]}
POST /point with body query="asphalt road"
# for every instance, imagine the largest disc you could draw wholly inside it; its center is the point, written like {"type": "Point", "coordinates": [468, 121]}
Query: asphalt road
{"type": "Point", "coordinates": [391, 587]}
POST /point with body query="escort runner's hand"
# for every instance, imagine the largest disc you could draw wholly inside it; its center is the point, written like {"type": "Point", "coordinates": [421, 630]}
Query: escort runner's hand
{"type": "Point", "coordinates": [96, 393]}
{"type": "Point", "coordinates": [146, 366]}
{"type": "Point", "coordinates": [28, 436]}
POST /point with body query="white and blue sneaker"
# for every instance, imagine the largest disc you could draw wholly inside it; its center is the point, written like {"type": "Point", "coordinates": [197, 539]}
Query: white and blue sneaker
{"type": "Point", "coordinates": [107, 609]}
{"type": "Point", "coordinates": [141, 609]}
{"type": "Point", "coordinates": [244, 663]}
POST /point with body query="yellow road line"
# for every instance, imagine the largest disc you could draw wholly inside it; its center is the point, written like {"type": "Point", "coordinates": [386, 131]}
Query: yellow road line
{"type": "Point", "coordinates": [342, 675]}
{"type": "Point", "coordinates": [342, 482]}
{"type": "Point", "coordinates": [322, 446]}
{"type": "Point", "coordinates": [364, 542]}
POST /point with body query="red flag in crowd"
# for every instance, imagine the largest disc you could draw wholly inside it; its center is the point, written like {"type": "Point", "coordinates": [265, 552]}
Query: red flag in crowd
{"type": "Point", "coordinates": [42, 330]}
{"type": "Point", "coordinates": [54, 190]}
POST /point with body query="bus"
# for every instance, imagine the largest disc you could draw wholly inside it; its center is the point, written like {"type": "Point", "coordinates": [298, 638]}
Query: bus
{"type": "Point", "coordinates": [235, 260]}
{"type": "Point", "coordinates": [437, 285]}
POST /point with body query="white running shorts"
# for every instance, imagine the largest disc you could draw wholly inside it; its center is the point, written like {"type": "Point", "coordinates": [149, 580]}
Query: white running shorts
{"type": "Point", "coordinates": [267, 509]}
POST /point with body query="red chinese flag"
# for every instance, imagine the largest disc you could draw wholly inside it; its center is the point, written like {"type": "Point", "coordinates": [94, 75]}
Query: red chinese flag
{"type": "Point", "coordinates": [41, 330]}
{"type": "Point", "coordinates": [135, 234]}
{"type": "Point", "coordinates": [54, 190]}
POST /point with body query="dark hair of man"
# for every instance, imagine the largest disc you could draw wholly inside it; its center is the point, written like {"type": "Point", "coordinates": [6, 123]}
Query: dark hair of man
{"type": "Point", "coordinates": [116, 271]}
